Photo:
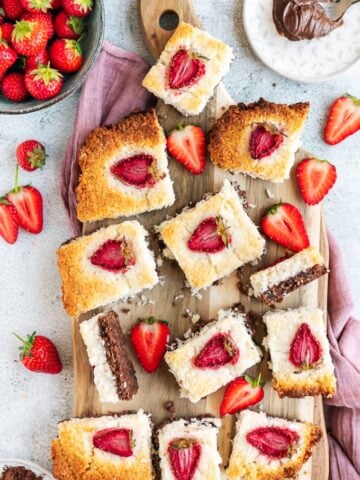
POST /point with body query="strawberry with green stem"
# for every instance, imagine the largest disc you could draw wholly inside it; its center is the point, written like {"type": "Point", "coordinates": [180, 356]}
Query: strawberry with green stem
{"type": "Point", "coordinates": [79, 8]}
{"type": "Point", "coordinates": [29, 37]}
{"type": "Point", "coordinates": [31, 155]}
{"type": "Point", "coordinates": [242, 393]}
{"type": "Point", "coordinates": [69, 26]}
{"type": "Point", "coordinates": [66, 55]}
{"type": "Point", "coordinates": [44, 82]}
{"type": "Point", "coordinates": [8, 221]}
{"type": "Point", "coordinates": [39, 354]}
{"type": "Point", "coordinates": [35, 6]}
{"type": "Point", "coordinates": [186, 143]}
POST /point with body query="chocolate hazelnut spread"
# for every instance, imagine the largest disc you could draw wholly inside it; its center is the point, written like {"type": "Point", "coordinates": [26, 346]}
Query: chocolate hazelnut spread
{"type": "Point", "coordinates": [19, 473]}
{"type": "Point", "coordinates": [302, 19]}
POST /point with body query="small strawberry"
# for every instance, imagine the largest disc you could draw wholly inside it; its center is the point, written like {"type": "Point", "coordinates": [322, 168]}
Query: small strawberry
{"type": "Point", "coordinates": [13, 9]}
{"type": "Point", "coordinates": [344, 119]}
{"type": "Point", "coordinates": [265, 139]}
{"type": "Point", "coordinates": [186, 69]}
{"type": "Point", "coordinates": [66, 55]}
{"type": "Point", "coordinates": [44, 82]}
{"type": "Point", "coordinates": [242, 393]}
{"type": "Point", "coordinates": [28, 204]}
{"type": "Point", "coordinates": [305, 349]}
{"type": "Point", "coordinates": [117, 441]}
{"type": "Point", "coordinates": [8, 221]}
{"type": "Point", "coordinates": [114, 256]}
{"type": "Point", "coordinates": [211, 236]}
{"type": "Point", "coordinates": [35, 6]}
{"type": "Point", "coordinates": [284, 224]}
{"type": "Point", "coordinates": [36, 61]}
{"type": "Point", "coordinates": [8, 57]}
{"type": "Point", "coordinates": [184, 455]}
{"type": "Point", "coordinates": [68, 26]}
{"type": "Point", "coordinates": [44, 18]}
{"type": "Point", "coordinates": [6, 31]}
{"type": "Point", "coordinates": [79, 8]}
{"type": "Point", "coordinates": [139, 171]}
{"type": "Point", "coordinates": [13, 87]}
{"type": "Point", "coordinates": [39, 354]}
{"type": "Point", "coordinates": [315, 178]}
{"type": "Point", "coordinates": [29, 37]}
{"type": "Point", "coordinates": [274, 442]}
{"type": "Point", "coordinates": [149, 338]}
{"type": "Point", "coordinates": [31, 155]}
{"type": "Point", "coordinates": [219, 350]}
{"type": "Point", "coordinates": [187, 145]}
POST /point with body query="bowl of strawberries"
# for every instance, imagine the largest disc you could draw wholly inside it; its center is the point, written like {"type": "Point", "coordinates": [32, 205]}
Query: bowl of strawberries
{"type": "Point", "coordinates": [47, 48]}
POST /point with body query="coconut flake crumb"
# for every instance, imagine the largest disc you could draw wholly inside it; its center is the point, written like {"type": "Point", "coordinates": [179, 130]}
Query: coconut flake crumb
{"type": "Point", "coordinates": [269, 193]}
{"type": "Point", "coordinates": [161, 280]}
{"type": "Point", "coordinates": [197, 295]}
{"type": "Point", "coordinates": [254, 262]}
{"type": "Point", "coordinates": [159, 261]}
{"type": "Point", "coordinates": [252, 205]}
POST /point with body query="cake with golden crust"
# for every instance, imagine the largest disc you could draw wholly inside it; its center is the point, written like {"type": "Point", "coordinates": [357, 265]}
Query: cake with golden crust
{"type": "Point", "coordinates": [191, 65]}
{"type": "Point", "coordinates": [259, 139]}
{"type": "Point", "coordinates": [270, 448]}
{"type": "Point", "coordinates": [299, 353]}
{"type": "Point", "coordinates": [124, 170]}
{"type": "Point", "coordinates": [110, 264]}
{"type": "Point", "coordinates": [114, 447]}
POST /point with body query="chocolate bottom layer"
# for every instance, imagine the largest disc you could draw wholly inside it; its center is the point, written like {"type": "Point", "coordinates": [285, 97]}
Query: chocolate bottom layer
{"type": "Point", "coordinates": [19, 473]}
{"type": "Point", "coordinates": [117, 356]}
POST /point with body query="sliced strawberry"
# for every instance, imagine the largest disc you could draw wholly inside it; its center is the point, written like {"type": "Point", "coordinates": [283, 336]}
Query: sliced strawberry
{"type": "Point", "coordinates": [139, 171]}
{"type": "Point", "coordinates": [186, 68]}
{"type": "Point", "coordinates": [344, 119]}
{"type": "Point", "coordinates": [117, 441]}
{"type": "Point", "coordinates": [211, 236]}
{"type": "Point", "coordinates": [220, 350]}
{"type": "Point", "coordinates": [241, 393]}
{"type": "Point", "coordinates": [149, 338]}
{"type": "Point", "coordinates": [114, 255]}
{"type": "Point", "coordinates": [185, 454]}
{"type": "Point", "coordinates": [187, 145]}
{"type": "Point", "coordinates": [305, 349]}
{"type": "Point", "coordinates": [315, 178]}
{"type": "Point", "coordinates": [264, 140]}
{"type": "Point", "coordinates": [274, 442]}
{"type": "Point", "coordinates": [8, 221]}
{"type": "Point", "coordinates": [283, 223]}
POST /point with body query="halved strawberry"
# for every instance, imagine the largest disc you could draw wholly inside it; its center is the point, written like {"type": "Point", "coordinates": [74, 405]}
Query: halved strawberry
{"type": "Point", "coordinates": [315, 178]}
{"type": "Point", "coordinates": [344, 119]}
{"type": "Point", "coordinates": [117, 441]}
{"type": "Point", "coordinates": [284, 224]}
{"type": "Point", "coordinates": [274, 442]}
{"type": "Point", "coordinates": [140, 171]}
{"type": "Point", "coordinates": [305, 349]}
{"type": "Point", "coordinates": [241, 393]}
{"type": "Point", "coordinates": [185, 454]}
{"type": "Point", "coordinates": [220, 350]}
{"type": "Point", "coordinates": [186, 68]}
{"type": "Point", "coordinates": [210, 236]}
{"type": "Point", "coordinates": [187, 145]}
{"type": "Point", "coordinates": [149, 338]}
{"type": "Point", "coordinates": [114, 256]}
{"type": "Point", "coordinates": [264, 140]}
{"type": "Point", "coordinates": [8, 221]}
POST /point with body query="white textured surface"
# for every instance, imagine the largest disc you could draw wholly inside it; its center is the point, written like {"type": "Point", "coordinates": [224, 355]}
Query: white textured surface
{"type": "Point", "coordinates": [31, 404]}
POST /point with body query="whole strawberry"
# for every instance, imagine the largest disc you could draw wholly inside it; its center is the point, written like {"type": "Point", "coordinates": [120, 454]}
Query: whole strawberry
{"type": "Point", "coordinates": [31, 155]}
{"type": "Point", "coordinates": [29, 37]}
{"type": "Point", "coordinates": [13, 9]}
{"type": "Point", "coordinates": [36, 5]}
{"type": "Point", "coordinates": [35, 61]}
{"type": "Point", "coordinates": [68, 26]}
{"type": "Point", "coordinates": [44, 18]}
{"type": "Point", "coordinates": [66, 55]}
{"type": "Point", "coordinates": [44, 82]}
{"type": "Point", "coordinates": [39, 354]}
{"type": "Point", "coordinates": [6, 31]}
{"type": "Point", "coordinates": [79, 8]}
{"type": "Point", "coordinates": [8, 57]}
{"type": "Point", "coordinates": [13, 87]}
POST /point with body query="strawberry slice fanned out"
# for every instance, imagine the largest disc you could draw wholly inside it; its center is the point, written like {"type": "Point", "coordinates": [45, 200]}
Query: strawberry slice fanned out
{"type": "Point", "coordinates": [220, 350]}
{"type": "Point", "coordinates": [117, 441]}
{"type": "Point", "coordinates": [305, 349]}
{"type": "Point", "coordinates": [241, 393]}
{"type": "Point", "coordinates": [274, 442]}
{"type": "Point", "coordinates": [139, 171]}
{"type": "Point", "coordinates": [284, 224]}
{"type": "Point", "coordinates": [344, 119]}
{"type": "Point", "coordinates": [187, 145]}
{"type": "Point", "coordinates": [184, 454]}
{"type": "Point", "coordinates": [114, 256]}
{"type": "Point", "coordinates": [8, 221]}
{"type": "Point", "coordinates": [211, 236]}
{"type": "Point", "coordinates": [186, 68]}
{"type": "Point", "coordinates": [264, 140]}
{"type": "Point", "coordinates": [315, 178]}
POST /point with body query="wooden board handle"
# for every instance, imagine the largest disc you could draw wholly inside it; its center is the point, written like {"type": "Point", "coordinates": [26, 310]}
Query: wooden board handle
{"type": "Point", "coordinates": [152, 13]}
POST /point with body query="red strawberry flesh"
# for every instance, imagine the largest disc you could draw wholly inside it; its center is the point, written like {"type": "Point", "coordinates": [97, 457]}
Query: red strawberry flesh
{"type": "Point", "coordinates": [241, 393]}
{"type": "Point", "coordinates": [184, 454]}
{"type": "Point", "coordinates": [264, 141]}
{"type": "Point", "coordinates": [220, 350]}
{"type": "Point", "coordinates": [274, 442]}
{"type": "Point", "coordinates": [117, 441]}
{"type": "Point", "coordinates": [209, 236]}
{"type": "Point", "coordinates": [344, 119]}
{"type": "Point", "coordinates": [315, 178]}
{"type": "Point", "coordinates": [305, 349]}
{"type": "Point", "coordinates": [29, 208]}
{"type": "Point", "coordinates": [136, 171]}
{"type": "Point", "coordinates": [188, 146]}
{"type": "Point", "coordinates": [114, 256]}
{"type": "Point", "coordinates": [8, 222]}
{"type": "Point", "coordinates": [185, 69]}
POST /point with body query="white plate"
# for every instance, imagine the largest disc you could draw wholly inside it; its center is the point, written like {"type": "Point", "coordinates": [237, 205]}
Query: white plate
{"type": "Point", "coordinates": [14, 462]}
{"type": "Point", "coordinates": [307, 60]}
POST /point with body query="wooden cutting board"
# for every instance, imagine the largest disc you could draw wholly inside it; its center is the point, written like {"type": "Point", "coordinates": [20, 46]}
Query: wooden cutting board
{"type": "Point", "coordinates": [171, 300]}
